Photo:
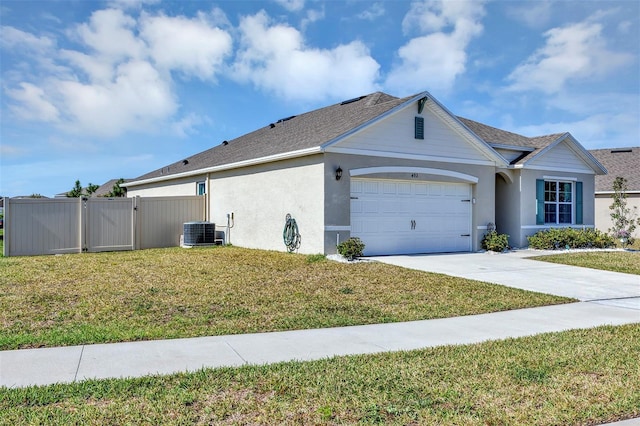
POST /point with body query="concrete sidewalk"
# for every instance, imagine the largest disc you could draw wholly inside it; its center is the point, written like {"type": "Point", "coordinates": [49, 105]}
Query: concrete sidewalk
{"type": "Point", "coordinates": [68, 364]}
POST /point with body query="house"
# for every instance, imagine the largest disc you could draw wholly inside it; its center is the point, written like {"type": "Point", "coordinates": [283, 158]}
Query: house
{"type": "Point", "coordinates": [403, 174]}
{"type": "Point", "coordinates": [623, 162]}
{"type": "Point", "coordinates": [103, 190]}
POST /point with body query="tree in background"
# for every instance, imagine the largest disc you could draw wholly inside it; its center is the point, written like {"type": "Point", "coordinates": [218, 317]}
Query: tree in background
{"type": "Point", "coordinates": [36, 195]}
{"type": "Point", "coordinates": [117, 190]}
{"type": "Point", "coordinates": [76, 192]}
{"type": "Point", "coordinates": [623, 219]}
{"type": "Point", "coordinates": [91, 188]}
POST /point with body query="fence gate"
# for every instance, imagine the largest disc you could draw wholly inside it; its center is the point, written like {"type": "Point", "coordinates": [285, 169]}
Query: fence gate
{"type": "Point", "coordinates": [108, 224]}
{"type": "Point", "coordinates": [34, 226]}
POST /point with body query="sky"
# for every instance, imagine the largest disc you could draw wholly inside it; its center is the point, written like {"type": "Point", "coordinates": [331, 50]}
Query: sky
{"type": "Point", "coordinates": [98, 90]}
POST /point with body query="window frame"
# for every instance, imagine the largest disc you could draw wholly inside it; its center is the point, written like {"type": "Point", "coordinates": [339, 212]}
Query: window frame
{"type": "Point", "coordinates": [559, 200]}
{"type": "Point", "coordinates": [201, 184]}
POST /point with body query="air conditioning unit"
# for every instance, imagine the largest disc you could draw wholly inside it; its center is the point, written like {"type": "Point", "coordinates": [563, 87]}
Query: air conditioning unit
{"type": "Point", "coordinates": [199, 233]}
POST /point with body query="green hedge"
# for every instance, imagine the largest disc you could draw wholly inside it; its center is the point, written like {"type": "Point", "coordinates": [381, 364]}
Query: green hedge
{"type": "Point", "coordinates": [569, 238]}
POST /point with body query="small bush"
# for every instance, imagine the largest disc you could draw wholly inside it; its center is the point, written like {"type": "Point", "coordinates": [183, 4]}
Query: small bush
{"type": "Point", "coordinates": [569, 238]}
{"type": "Point", "coordinates": [493, 241]}
{"type": "Point", "coordinates": [351, 248]}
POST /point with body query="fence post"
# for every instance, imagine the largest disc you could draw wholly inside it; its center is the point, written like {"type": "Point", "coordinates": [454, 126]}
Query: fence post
{"type": "Point", "coordinates": [5, 237]}
{"type": "Point", "coordinates": [83, 224]}
{"type": "Point", "coordinates": [137, 227]}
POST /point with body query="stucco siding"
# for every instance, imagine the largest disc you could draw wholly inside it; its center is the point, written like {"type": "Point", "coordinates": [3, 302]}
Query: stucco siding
{"type": "Point", "coordinates": [337, 205]}
{"type": "Point", "coordinates": [528, 201]}
{"type": "Point", "coordinates": [395, 135]}
{"type": "Point", "coordinates": [169, 188]}
{"type": "Point", "coordinates": [603, 212]}
{"type": "Point", "coordinates": [508, 208]}
{"type": "Point", "coordinates": [561, 157]}
{"type": "Point", "coordinates": [260, 197]}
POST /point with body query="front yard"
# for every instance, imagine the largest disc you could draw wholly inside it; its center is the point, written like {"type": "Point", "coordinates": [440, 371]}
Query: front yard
{"type": "Point", "coordinates": [171, 293]}
{"type": "Point", "coordinates": [580, 377]}
{"type": "Point", "coordinates": [627, 262]}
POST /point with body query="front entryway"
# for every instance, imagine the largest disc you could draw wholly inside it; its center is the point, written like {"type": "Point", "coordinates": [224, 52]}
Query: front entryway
{"type": "Point", "coordinates": [404, 217]}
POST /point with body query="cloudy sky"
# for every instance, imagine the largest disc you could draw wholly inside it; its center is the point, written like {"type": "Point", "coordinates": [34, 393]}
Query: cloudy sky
{"type": "Point", "coordinates": [94, 90]}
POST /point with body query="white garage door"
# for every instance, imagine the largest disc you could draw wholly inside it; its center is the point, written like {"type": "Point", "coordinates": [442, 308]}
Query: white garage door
{"type": "Point", "coordinates": [403, 217]}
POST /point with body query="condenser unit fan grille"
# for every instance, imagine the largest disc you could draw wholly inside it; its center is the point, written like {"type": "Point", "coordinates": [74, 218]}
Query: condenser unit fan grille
{"type": "Point", "coordinates": [199, 233]}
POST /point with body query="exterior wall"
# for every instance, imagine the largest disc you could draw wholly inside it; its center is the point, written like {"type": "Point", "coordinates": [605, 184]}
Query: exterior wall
{"type": "Point", "coordinates": [527, 183]}
{"type": "Point", "coordinates": [261, 196]}
{"type": "Point", "coordinates": [171, 188]}
{"type": "Point", "coordinates": [337, 208]}
{"type": "Point", "coordinates": [394, 136]}
{"type": "Point", "coordinates": [508, 220]}
{"type": "Point", "coordinates": [603, 213]}
{"type": "Point", "coordinates": [561, 157]}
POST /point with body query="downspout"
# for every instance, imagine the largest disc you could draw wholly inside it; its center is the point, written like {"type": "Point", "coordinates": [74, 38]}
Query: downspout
{"type": "Point", "coordinates": [207, 198]}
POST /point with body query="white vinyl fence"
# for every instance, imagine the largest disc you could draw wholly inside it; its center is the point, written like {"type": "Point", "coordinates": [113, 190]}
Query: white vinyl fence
{"type": "Point", "coordinates": [34, 226]}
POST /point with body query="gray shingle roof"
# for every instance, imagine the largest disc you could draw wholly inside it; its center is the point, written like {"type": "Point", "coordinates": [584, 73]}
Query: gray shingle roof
{"type": "Point", "coordinates": [624, 162]}
{"type": "Point", "coordinates": [495, 136]}
{"type": "Point", "coordinates": [303, 131]}
{"type": "Point", "coordinates": [315, 128]}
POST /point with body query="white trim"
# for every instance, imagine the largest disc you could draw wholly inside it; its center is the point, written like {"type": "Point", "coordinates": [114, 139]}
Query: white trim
{"type": "Point", "coordinates": [553, 225]}
{"type": "Point", "coordinates": [481, 227]}
{"type": "Point", "coordinates": [237, 165]}
{"type": "Point", "coordinates": [337, 228]}
{"type": "Point", "coordinates": [404, 156]}
{"type": "Point", "coordinates": [574, 179]}
{"type": "Point", "coordinates": [554, 169]}
{"type": "Point", "coordinates": [401, 169]}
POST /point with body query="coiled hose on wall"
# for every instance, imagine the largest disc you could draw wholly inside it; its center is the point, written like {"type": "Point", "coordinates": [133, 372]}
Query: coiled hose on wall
{"type": "Point", "coordinates": [290, 235]}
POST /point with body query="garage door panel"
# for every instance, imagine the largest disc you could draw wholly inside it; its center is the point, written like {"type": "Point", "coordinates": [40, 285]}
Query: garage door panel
{"type": "Point", "coordinates": [395, 217]}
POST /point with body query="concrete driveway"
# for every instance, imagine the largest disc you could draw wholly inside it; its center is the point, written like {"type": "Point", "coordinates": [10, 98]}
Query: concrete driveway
{"type": "Point", "coordinates": [513, 269]}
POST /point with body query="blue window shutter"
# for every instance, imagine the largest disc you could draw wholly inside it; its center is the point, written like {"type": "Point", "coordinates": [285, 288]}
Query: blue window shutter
{"type": "Point", "coordinates": [419, 130]}
{"type": "Point", "coordinates": [540, 201]}
{"type": "Point", "coordinates": [579, 220]}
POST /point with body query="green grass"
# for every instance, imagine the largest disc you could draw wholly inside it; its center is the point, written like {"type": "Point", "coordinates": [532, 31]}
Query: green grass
{"type": "Point", "coordinates": [571, 378]}
{"type": "Point", "coordinates": [171, 293]}
{"type": "Point", "coordinates": [627, 262]}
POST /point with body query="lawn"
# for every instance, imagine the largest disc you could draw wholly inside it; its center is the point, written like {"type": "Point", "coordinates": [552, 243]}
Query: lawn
{"type": "Point", "coordinates": [571, 378]}
{"type": "Point", "coordinates": [171, 293]}
{"type": "Point", "coordinates": [627, 262]}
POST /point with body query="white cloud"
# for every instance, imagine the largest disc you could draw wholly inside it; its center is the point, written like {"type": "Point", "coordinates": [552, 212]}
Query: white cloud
{"type": "Point", "coordinates": [137, 99]}
{"type": "Point", "coordinates": [533, 14]}
{"type": "Point", "coordinates": [189, 45]}
{"type": "Point", "coordinates": [11, 37]}
{"type": "Point", "coordinates": [110, 34]}
{"type": "Point", "coordinates": [120, 80]}
{"type": "Point", "coordinates": [435, 60]}
{"type": "Point", "coordinates": [187, 125]}
{"type": "Point", "coordinates": [131, 4]}
{"type": "Point", "coordinates": [274, 58]}
{"type": "Point", "coordinates": [374, 12]}
{"type": "Point", "coordinates": [32, 103]}
{"type": "Point", "coordinates": [571, 53]}
{"type": "Point", "coordinates": [312, 16]}
{"type": "Point", "coordinates": [291, 5]}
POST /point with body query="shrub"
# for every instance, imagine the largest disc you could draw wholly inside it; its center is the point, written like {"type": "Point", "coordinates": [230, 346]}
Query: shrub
{"type": "Point", "coordinates": [568, 238]}
{"type": "Point", "coordinates": [493, 241]}
{"type": "Point", "coordinates": [351, 248]}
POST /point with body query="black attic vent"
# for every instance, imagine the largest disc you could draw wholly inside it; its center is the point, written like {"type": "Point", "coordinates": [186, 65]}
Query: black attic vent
{"type": "Point", "coordinates": [349, 101]}
{"type": "Point", "coordinates": [619, 151]}
{"type": "Point", "coordinates": [185, 162]}
{"type": "Point", "coordinates": [272, 125]}
{"type": "Point", "coordinates": [225, 143]}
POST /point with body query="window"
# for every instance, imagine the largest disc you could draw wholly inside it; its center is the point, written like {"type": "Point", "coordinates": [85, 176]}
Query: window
{"type": "Point", "coordinates": [201, 188]}
{"type": "Point", "coordinates": [558, 202]}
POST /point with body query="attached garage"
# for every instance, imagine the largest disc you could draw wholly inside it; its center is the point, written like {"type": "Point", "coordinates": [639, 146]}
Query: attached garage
{"type": "Point", "coordinates": [405, 217]}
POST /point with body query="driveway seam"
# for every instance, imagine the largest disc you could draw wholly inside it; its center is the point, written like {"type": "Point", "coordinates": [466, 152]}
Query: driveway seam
{"type": "Point", "coordinates": [236, 352]}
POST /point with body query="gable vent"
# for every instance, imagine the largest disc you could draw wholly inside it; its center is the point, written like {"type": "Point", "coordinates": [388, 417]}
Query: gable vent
{"type": "Point", "coordinates": [619, 151]}
{"type": "Point", "coordinates": [419, 128]}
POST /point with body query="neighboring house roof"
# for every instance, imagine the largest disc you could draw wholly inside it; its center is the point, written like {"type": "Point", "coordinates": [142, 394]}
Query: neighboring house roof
{"type": "Point", "coordinates": [106, 188]}
{"type": "Point", "coordinates": [623, 162]}
{"type": "Point", "coordinates": [312, 131]}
